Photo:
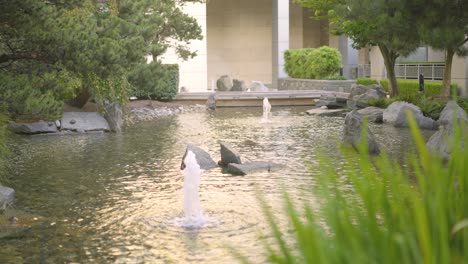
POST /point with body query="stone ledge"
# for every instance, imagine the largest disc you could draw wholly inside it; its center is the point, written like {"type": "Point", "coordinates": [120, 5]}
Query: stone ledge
{"type": "Point", "coordinates": [308, 84]}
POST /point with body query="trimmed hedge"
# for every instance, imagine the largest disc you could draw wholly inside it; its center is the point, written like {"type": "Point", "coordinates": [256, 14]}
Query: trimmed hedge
{"type": "Point", "coordinates": [411, 88]}
{"type": "Point", "coordinates": [321, 63]}
{"type": "Point", "coordinates": [366, 81]}
{"type": "Point", "coordinates": [155, 80]}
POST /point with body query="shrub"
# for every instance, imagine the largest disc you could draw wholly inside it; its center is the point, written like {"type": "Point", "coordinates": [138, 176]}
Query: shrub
{"type": "Point", "coordinates": [155, 80]}
{"type": "Point", "coordinates": [296, 63]}
{"type": "Point", "coordinates": [325, 61]}
{"type": "Point", "coordinates": [382, 212]}
{"type": "Point", "coordinates": [3, 149]}
{"type": "Point", "coordinates": [336, 77]}
{"type": "Point", "coordinates": [366, 81]}
{"type": "Point", "coordinates": [321, 63]}
{"type": "Point", "coordinates": [409, 88]}
{"type": "Point", "coordinates": [25, 96]}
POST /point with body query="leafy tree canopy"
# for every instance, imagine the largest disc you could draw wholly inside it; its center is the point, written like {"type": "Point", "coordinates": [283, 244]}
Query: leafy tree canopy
{"type": "Point", "coordinates": [61, 47]}
{"type": "Point", "coordinates": [383, 23]}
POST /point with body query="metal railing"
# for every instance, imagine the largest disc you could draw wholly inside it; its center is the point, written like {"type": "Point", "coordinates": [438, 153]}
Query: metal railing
{"type": "Point", "coordinates": [412, 71]}
{"type": "Point", "coordinates": [405, 71]}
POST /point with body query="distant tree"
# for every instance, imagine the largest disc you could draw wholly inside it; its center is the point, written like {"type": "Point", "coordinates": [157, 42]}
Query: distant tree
{"type": "Point", "coordinates": [383, 23]}
{"type": "Point", "coordinates": [67, 47]}
{"type": "Point", "coordinates": [443, 24]}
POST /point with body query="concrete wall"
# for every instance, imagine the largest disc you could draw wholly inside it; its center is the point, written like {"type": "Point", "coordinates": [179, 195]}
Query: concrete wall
{"type": "Point", "coordinates": [296, 26]}
{"type": "Point", "coordinates": [239, 39]}
{"type": "Point", "coordinates": [193, 73]}
{"type": "Point", "coordinates": [315, 32]}
{"type": "Point", "coordinates": [377, 64]}
{"type": "Point", "coordinates": [460, 73]}
{"type": "Point", "coordinates": [435, 55]}
{"type": "Point", "coordinates": [325, 85]}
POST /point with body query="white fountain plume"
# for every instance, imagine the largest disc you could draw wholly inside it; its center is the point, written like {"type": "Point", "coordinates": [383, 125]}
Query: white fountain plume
{"type": "Point", "coordinates": [266, 110]}
{"type": "Point", "coordinates": [192, 173]}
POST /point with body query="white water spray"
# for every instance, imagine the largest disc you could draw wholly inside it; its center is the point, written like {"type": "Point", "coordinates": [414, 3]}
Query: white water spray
{"type": "Point", "coordinates": [192, 174]}
{"type": "Point", "coordinates": [266, 110]}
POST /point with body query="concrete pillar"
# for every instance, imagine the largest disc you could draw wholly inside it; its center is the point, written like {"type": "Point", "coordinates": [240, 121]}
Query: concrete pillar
{"type": "Point", "coordinates": [280, 38]}
{"type": "Point", "coordinates": [460, 74]}
{"type": "Point", "coordinates": [377, 64]}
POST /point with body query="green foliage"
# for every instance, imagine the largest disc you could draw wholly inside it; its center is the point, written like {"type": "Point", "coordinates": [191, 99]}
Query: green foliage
{"type": "Point", "coordinates": [32, 97]}
{"type": "Point", "coordinates": [366, 81]}
{"type": "Point", "coordinates": [410, 88]}
{"type": "Point", "coordinates": [336, 77]}
{"type": "Point", "coordinates": [155, 80]}
{"type": "Point", "coordinates": [379, 211]}
{"type": "Point", "coordinates": [382, 23]}
{"type": "Point", "coordinates": [325, 61]}
{"type": "Point", "coordinates": [297, 63]}
{"type": "Point", "coordinates": [322, 63]}
{"type": "Point", "coordinates": [93, 45]}
{"type": "Point", "coordinates": [3, 149]}
{"type": "Point", "coordinates": [380, 103]}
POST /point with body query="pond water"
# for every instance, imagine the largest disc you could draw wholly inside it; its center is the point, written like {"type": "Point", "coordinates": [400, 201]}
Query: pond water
{"type": "Point", "coordinates": [113, 198]}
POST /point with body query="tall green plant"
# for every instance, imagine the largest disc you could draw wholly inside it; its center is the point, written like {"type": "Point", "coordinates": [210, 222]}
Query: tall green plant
{"type": "Point", "coordinates": [3, 149]}
{"type": "Point", "coordinates": [382, 212]}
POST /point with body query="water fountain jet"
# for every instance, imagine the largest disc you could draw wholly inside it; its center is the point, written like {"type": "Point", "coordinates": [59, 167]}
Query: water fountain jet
{"type": "Point", "coordinates": [266, 111]}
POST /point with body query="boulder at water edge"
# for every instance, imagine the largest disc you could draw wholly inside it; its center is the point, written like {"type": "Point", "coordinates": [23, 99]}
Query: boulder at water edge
{"type": "Point", "coordinates": [239, 86]}
{"type": "Point", "coordinates": [257, 86]}
{"type": "Point", "coordinates": [114, 116]}
{"type": "Point", "coordinates": [84, 122]}
{"type": "Point", "coordinates": [229, 155]}
{"type": "Point", "coordinates": [331, 102]}
{"type": "Point", "coordinates": [360, 95]}
{"type": "Point", "coordinates": [211, 102]}
{"type": "Point", "coordinates": [396, 115]}
{"type": "Point", "coordinates": [203, 158]}
{"type": "Point", "coordinates": [33, 128]}
{"type": "Point", "coordinates": [353, 130]}
{"type": "Point", "coordinates": [224, 83]}
{"type": "Point", "coordinates": [440, 141]}
{"type": "Point", "coordinates": [7, 195]}
{"type": "Point", "coordinates": [372, 113]}
{"type": "Point", "coordinates": [326, 112]}
{"type": "Point", "coordinates": [248, 168]}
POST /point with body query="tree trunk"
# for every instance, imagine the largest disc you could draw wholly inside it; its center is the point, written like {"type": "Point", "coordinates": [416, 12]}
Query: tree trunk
{"type": "Point", "coordinates": [81, 98]}
{"type": "Point", "coordinates": [389, 61]}
{"type": "Point", "coordinates": [447, 73]}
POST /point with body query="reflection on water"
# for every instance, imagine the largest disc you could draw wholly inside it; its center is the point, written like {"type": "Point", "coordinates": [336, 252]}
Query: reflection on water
{"type": "Point", "coordinates": [112, 197]}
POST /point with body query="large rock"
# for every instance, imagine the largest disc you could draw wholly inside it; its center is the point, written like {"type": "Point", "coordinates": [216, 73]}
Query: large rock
{"type": "Point", "coordinates": [247, 168]}
{"type": "Point", "coordinates": [239, 85]}
{"type": "Point", "coordinates": [331, 102]}
{"type": "Point", "coordinates": [114, 116]}
{"type": "Point", "coordinates": [396, 115]}
{"type": "Point", "coordinates": [257, 86]}
{"type": "Point", "coordinates": [33, 128]}
{"type": "Point", "coordinates": [84, 121]}
{"type": "Point", "coordinates": [211, 102]}
{"type": "Point", "coordinates": [440, 141]}
{"type": "Point", "coordinates": [224, 83]}
{"type": "Point", "coordinates": [452, 112]}
{"type": "Point", "coordinates": [203, 158]}
{"type": "Point", "coordinates": [372, 113]}
{"type": "Point", "coordinates": [7, 195]}
{"type": "Point", "coordinates": [360, 95]}
{"type": "Point", "coordinates": [353, 132]}
{"type": "Point", "coordinates": [229, 155]}
{"type": "Point", "coordinates": [326, 112]}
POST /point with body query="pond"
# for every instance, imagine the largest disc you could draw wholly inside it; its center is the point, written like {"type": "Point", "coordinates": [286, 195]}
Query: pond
{"type": "Point", "coordinates": [112, 198]}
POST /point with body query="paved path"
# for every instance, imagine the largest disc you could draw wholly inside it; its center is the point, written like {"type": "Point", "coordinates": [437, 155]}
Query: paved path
{"type": "Point", "coordinates": [239, 99]}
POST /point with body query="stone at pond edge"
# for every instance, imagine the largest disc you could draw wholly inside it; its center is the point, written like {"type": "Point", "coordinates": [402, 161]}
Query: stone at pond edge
{"type": "Point", "coordinates": [326, 112]}
{"type": "Point", "coordinates": [239, 85]}
{"type": "Point", "coordinates": [7, 195]}
{"type": "Point", "coordinates": [84, 121]}
{"type": "Point", "coordinates": [440, 141]}
{"type": "Point", "coordinates": [33, 128]}
{"type": "Point", "coordinates": [229, 155]}
{"type": "Point", "coordinates": [373, 114]}
{"type": "Point", "coordinates": [331, 102]}
{"type": "Point", "coordinates": [224, 83]}
{"type": "Point", "coordinates": [203, 158]}
{"type": "Point", "coordinates": [114, 116]}
{"type": "Point", "coordinates": [247, 168]}
{"type": "Point", "coordinates": [360, 95]}
{"type": "Point", "coordinates": [396, 115]}
{"type": "Point", "coordinates": [353, 130]}
{"type": "Point", "coordinates": [211, 102]}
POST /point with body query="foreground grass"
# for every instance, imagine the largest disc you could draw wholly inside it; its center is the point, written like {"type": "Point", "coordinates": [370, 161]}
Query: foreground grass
{"type": "Point", "coordinates": [382, 212]}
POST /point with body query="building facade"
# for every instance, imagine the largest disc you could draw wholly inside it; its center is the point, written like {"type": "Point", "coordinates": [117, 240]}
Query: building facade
{"type": "Point", "coordinates": [246, 40]}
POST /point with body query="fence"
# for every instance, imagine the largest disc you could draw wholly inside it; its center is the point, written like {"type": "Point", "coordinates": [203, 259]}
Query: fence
{"type": "Point", "coordinates": [406, 71]}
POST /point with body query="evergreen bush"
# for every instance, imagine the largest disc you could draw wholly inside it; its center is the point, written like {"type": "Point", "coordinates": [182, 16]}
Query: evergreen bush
{"type": "Point", "coordinates": [322, 63]}
{"type": "Point", "coordinates": [366, 81]}
{"type": "Point", "coordinates": [155, 80]}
